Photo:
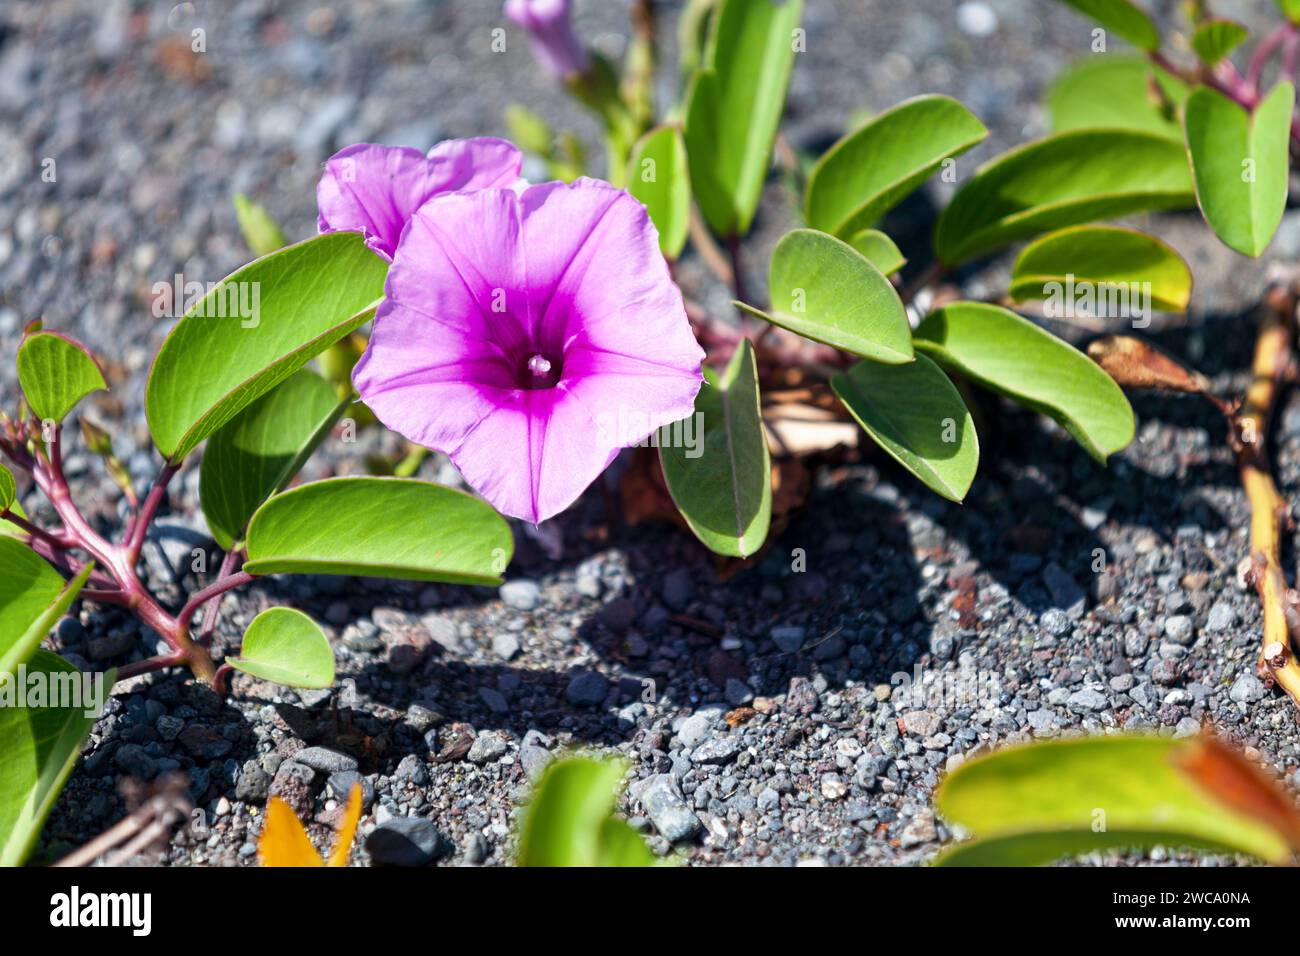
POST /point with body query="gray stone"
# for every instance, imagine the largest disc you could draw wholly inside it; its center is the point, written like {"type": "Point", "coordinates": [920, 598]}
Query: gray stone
{"type": "Point", "coordinates": [406, 842]}
{"type": "Point", "coordinates": [521, 594]}
{"type": "Point", "coordinates": [694, 729]}
{"type": "Point", "coordinates": [667, 809]}
{"type": "Point", "coordinates": [1087, 701]}
{"type": "Point", "coordinates": [678, 589]}
{"type": "Point", "coordinates": [1246, 689]}
{"type": "Point", "coordinates": [587, 689]}
{"type": "Point", "coordinates": [1221, 617]}
{"type": "Point", "coordinates": [487, 747]}
{"type": "Point", "coordinates": [1179, 629]}
{"type": "Point", "coordinates": [325, 760]}
{"type": "Point", "coordinates": [719, 750]}
{"type": "Point", "coordinates": [412, 770]}
{"type": "Point", "coordinates": [788, 639]}
{"type": "Point", "coordinates": [505, 646]}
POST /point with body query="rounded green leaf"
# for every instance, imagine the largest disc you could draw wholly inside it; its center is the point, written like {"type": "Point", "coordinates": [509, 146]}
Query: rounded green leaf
{"type": "Point", "coordinates": [1290, 9]}
{"type": "Point", "coordinates": [917, 415]}
{"type": "Point", "coordinates": [56, 373]}
{"type": "Point", "coordinates": [262, 233]}
{"type": "Point", "coordinates": [8, 489]}
{"type": "Point", "coordinates": [1012, 356]}
{"type": "Point", "coordinates": [1216, 37]}
{"type": "Point", "coordinates": [1123, 17]}
{"type": "Point", "coordinates": [569, 821]}
{"type": "Point", "coordinates": [286, 647]}
{"type": "Point", "coordinates": [1118, 92]}
{"type": "Point", "coordinates": [33, 596]}
{"type": "Point", "coordinates": [1063, 180]}
{"type": "Point", "coordinates": [879, 250]}
{"type": "Point", "coordinates": [380, 527]}
{"type": "Point", "coordinates": [255, 329]}
{"type": "Point", "coordinates": [1049, 793]}
{"type": "Point", "coordinates": [1241, 163]}
{"type": "Point", "coordinates": [721, 481]}
{"type": "Point", "coordinates": [1105, 259]}
{"type": "Point", "coordinates": [260, 450]}
{"type": "Point", "coordinates": [870, 170]}
{"type": "Point", "coordinates": [657, 175]}
{"type": "Point", "coordinates": [824, 289]}
{"type": "Point", "coordinates": [41, 744]}
{"type": "Point", "coordinates": [734, 107]}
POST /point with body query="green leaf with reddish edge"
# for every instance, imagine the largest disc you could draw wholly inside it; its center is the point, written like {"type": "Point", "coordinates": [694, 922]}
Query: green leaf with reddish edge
{"type": "Point", "coordinates": [1013, 357]}
{"type": "Point", "coordinates": [262, 233]}
{"type": "Point", "coordinates": [308, 296]}
{"type": "Point", "coordinates": [657, 175]}
{"type": "Point", "coordinates": [1125, 18]}
{"type": "Point", "coordinates": [55, 373]}
{"type": "Point", "coordinates": [1036, 803]}
{"type": "Point", "coordinates": [723, 485]}
{"type": "Point", "coordinates": [33, 596]}
{"type": "Point", "coordinates": [872, 169]}
{"type": "Point", "coordinates": [569, 821]}
{"type": "Point", "coordinates": [1065, 179]}
{"type": "Point", "coordinates": [261, 449]}
{"type": "Point", "coordinates": [916, 415]}
{"type": "Point", "coordinates": [380, 527]}
{"type": "Point", "coordinates": [8, 489]}
{"type": "Point", "coordinates": [1119, 92]}
{"type": "Point", "coordinates": [286, 647]}
{"type": "Point", "coordinates": [879, 250]}
{"type": "Point", "coordinates": [734, 107]}
{"type": "Point", "coordinates": [824, 289]}
{"type": "Point", "coordinates": [41, 744]}
{"type": "Point", "coordinates": [1216, 37]}
{"type": "Point", "coordinates": [1241, 162]}
{"type": "Point", "coordinates": [1104, 257]}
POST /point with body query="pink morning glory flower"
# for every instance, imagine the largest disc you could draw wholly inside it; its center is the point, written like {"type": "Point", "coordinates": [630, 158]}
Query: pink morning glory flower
{"type": "Point", "coordinates": [375, 189]}
{"type": "Point", "coordinates": [550, 32]}
{"type": "Point", "coordinates": [530, 335]}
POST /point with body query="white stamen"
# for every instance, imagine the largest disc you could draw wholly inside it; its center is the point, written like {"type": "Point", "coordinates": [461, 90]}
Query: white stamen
{"type": "Point", "coordinates": [538, 365]}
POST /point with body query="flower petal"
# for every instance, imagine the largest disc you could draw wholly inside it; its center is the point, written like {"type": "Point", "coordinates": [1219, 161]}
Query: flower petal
{"type": "Point", "coordinates": [375, 189]}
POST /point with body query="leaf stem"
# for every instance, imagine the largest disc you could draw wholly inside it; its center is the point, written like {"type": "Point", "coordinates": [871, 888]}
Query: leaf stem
{"type": "Point", "coordinates": [1273, 362]}
{"type": "Point", "coordinates": [213, 590]}
{"type": "Point", "coordinates": [144, 517]}
{"type": "Point", "coordinates": [57, 542]}
{"type": "Point", "coordinates": [1264, 52]}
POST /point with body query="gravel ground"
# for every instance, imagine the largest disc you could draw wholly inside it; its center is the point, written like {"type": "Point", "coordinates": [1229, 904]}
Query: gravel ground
{"type": "Point", "coordinates": [766, 719]}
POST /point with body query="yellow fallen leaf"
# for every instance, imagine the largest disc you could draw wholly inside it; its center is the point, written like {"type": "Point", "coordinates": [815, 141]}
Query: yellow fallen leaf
{"type": "Point", "coordinates": [284, 840]}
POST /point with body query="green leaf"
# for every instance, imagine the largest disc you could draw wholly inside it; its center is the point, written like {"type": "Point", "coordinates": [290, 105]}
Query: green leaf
{"type": "Point", "coordinates": [33, 596]}
{"type": "Point", "coordinates": [1241, 163]}
{"type": "Point", "coordinates": [734, 108]}
{"type": "Point", "coordinates": [1290, 9]}
{"type": "Point", "coordinates": [56, 373]}
{"type": "Point", "coordinates": [1122, 17]}
{"type": "Point", "coordinates": [879, 250]}
{"type": "Point", "coordinates": [41, 744]}
{"type": "Point", "coordinates": [261, 232]}
{"type": "Point", "coordinates": [1013, 357]}
{"type": "Point", "coordinates": [657, 175]}
{"type": "Point", "coordinates": [1215, 38]}
{"type": "Point", "coordinates": [10, 530]}
{"type": "Point", "coordinates": [870, 170]}
{"type": "Point", "coordinates": [1105, 257]}
{"type": "Point", "coordinates": [916, 415]}
{"type": "Point", "coordinates": [723, 485]}
{"type": "Point", "coordinates": [255, 329]}
{"type": "Point", "coordinates": [259, 451]}
{"type": "Point", "coordinates": [1041, 801]}
{"type": "Point", "coordinates": [8, 489]}
{"type": "Point", "coordinates": [824, 289]}
{"type": "Point", "coordinates": [380, 527]}
{"type": "Point", "coordinates": [1119, 92]}
{"type": "Point", "coordinates": [570, 821]}
{"type": "Point", "coordinates": [286, 647]}
{"type": "Point", "coordinates": [1063, 180]}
